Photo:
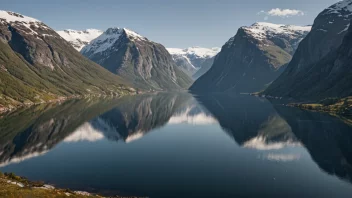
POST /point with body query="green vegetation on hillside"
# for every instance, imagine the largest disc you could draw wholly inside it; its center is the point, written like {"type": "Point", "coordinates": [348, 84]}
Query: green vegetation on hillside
{"type": "Point", "coordinates": [13, 186]}
{"type": "Point", "coordinates": [334, 106]}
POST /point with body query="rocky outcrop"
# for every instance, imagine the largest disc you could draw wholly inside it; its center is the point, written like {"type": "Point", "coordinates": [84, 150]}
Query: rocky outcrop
{"type": "Point", "coordinates": [252, 59]}
{"type": "Point", "coordinates": [148, 65]}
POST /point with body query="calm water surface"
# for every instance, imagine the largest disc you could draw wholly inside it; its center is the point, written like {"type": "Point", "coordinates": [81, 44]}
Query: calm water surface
{"type": "Point", "coordinates": [177, 145]}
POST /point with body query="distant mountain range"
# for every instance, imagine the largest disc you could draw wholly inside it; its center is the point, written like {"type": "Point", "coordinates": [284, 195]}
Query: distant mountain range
{"type": "Point", "coordinates": [79, 38]}
{"type": "Point", "coordinates": [37, 65]}
{"type": "Point", "coordinates": [148, 65]}
{"type": "Point", "coordinates": [321, 67]}
{"type": "Point", "coordinates": [252, 59]}
{"type": "Point", "coordinates": [195, 61]}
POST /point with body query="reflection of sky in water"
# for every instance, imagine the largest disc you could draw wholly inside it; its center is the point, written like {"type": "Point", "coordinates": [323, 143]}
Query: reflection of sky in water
{"type": "Point", "coordinates": [193, 153]}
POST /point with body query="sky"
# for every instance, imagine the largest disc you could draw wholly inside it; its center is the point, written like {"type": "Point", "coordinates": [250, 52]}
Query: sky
{"type": "Point", "coordinates": [173, 23]}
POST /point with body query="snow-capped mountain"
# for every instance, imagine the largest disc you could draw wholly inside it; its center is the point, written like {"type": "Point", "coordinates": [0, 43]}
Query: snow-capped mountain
{"type": "Point", "coordinates": [146, 64]}
{"type": "Point", "coordinates": [266, 31]}
{"type": "Point", "coordinates": [47, 66]}
{"type": "Point", "coordinates": [195, 52]}
{"type": "Point", "coordinates": [107, 40]}
{"type": "Point", "coordinates": [251, 59]}
{"type": "Point", "coordinates": [194, 60]}
{"type": "Point", "coordinates": [263, 30]}
{"type": "Point", "coordinates": [79, 38]}
{"type": "Point", "coordinates": [315, 63]}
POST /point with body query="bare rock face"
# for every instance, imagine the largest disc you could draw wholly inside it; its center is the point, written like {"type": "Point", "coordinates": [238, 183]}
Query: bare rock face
{"type": "Point", "coordinates": [148, 65]}
{"type": "Point", "coordinates": [252, 59]}
{"type": "Point", "coordinates": [41, 66]}
{"type": "Point", "coordinates": [25, 36]}
{"type": "Point", "coordinates": [313, 73]}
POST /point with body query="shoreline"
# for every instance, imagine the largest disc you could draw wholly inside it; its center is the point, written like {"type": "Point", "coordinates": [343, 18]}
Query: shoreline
{"type": "Point", "coordinates": [11, 108]}
{"type": "Point", "coordinates": [333, 106]}
{"type": "Point", "coordinates": [14, 186]}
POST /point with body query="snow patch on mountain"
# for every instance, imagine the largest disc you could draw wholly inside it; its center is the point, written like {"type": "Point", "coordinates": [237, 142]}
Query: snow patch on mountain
{"type": "Point", "coordinates": [199, 52]}
{"type": "Point", "coordinates": [13, 17]}
{"type": "Point", "coordinates": [340, 8]}
{"type": "Point", "coordinates": [262, 30]}
{"type": "Point", "coordinates": [192, 58]}
{"type": "Point", "coordinates": [30, 24]}
{"type": "Point", "coordinates": [107, 40]}
{"type": "Point", "coordinates": [104, 41]}
{"type": "Point", "coordinates": [79, 38]}
{"type": "Point", "coordinates": [133, 35]}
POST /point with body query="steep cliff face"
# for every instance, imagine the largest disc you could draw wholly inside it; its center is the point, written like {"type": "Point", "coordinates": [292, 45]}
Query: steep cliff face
{"type": "Point", "coordinates": [251, 59]}
{"type": "Point", "coordinates": [313, 73]}
{"type": "Point", "coordinates": [195, 61]}
{"type": "Point", "coordinates": [148, 65]}
{"type": "Point", "coordinates": [37, 65]}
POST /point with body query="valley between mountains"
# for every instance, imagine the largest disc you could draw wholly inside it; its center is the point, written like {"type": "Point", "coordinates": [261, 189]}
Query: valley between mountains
{"type": "Point", "coordinates": [309, 63]}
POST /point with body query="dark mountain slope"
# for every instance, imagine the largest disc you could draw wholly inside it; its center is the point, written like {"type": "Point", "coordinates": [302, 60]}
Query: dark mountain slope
{"type": "Point", "coordinates": [37, 65]}
{"type": "Point", "coordinates": [321, 66]}
{"type": "Point", "coordinates": [251, 59]}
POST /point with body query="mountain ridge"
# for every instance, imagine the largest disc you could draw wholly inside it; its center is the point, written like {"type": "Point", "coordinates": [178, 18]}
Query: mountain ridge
{"type": "Point", "coordinates": [37, 65]}
{"type": "Point", "coordinates": [147, 64]}
{"type": "Point", "coordinates": [328, 31]}
{"type": "Point", "coordinates": [251, 59]}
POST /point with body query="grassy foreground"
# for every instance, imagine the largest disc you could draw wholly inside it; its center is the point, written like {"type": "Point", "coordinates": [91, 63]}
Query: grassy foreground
{"type": "Point", "coordinates": [12, 186]}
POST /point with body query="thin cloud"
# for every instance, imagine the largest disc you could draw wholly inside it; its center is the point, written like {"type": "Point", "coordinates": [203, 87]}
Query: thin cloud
{"type": "Point", "coordinates": [283, 13]}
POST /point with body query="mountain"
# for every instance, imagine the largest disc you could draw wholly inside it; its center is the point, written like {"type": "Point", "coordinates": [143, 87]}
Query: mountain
{"type": "Point", "coordinates": [148, 65]}
{"type": "Point", "coordinates": [195, 61]}
{"type": "Point", "coordinates": [37, 65]}
{"type": "Point", "coordinates": [320, 68]}
{"type": "Point", "coordinates": [251, 59]}
{"type": "Point", "coordinates": [79, 38]}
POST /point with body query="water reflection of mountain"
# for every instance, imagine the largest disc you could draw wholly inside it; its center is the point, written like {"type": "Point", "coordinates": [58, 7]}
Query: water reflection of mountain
{"type": "Point", "coordinates": [136, 117]}
{"type": "Point", "coordinates": [251, 121]}
{"type": "Point", "coordinates": [328, 139]}
{"type": "Point", "coordinates": [31, 132]}
{"type": "Point", "coordinates": [255, 123]}
{"type": "Point", "coordinates": [34, 131]}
